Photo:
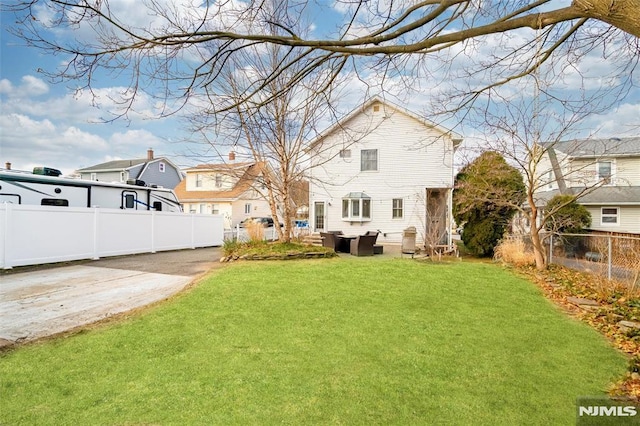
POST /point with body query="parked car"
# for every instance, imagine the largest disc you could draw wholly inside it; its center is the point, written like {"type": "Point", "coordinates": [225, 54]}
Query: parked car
{"type": "Point", "coordinates": [267, 222]}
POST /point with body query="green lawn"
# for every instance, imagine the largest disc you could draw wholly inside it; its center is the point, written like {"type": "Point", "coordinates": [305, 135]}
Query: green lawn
{"type": "Point", "coordinates": [337, 341]}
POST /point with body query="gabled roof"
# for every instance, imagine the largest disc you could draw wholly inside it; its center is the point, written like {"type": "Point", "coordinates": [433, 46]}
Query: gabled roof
{"type": "Point", "coordinates": [594, 148]}
{"type": "Point", "coordinates": [220, 168]}
{"type": "Point", "coordinates": [604, 195]}
{"type": "Point", "coordinates": [115, 165]}
{"type": "Point", "coordinates": [251, 172]}
{"type": "Point", "coordinates": [122, 165]}
{"type": "Point", "coordinates": [457, 139]}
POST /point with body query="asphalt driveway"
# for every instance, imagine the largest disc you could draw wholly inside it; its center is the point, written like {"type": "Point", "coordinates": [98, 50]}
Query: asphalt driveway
{"type": "Point", "coordinates": [36, 302]}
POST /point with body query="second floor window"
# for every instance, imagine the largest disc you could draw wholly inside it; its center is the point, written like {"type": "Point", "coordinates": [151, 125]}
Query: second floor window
{"type": "Point", "coordinates": [345, 153]}
{"type": "Point", "coordinates": [247, 208]}
{"type": "Point", "coordinates": [369, 160]}
{"type": "Point", "coordinates": [218, 181]}
{"type": "Point", "coordinates": [198, 181]}
{"type": "Point", "coordinates": [605, 170]}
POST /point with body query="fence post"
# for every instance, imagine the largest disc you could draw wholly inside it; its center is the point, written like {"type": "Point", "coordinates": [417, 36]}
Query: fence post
{"type": "Point", "coordinates": [609, 258]}
{"type": "Point", "coordinates": [550, 248]}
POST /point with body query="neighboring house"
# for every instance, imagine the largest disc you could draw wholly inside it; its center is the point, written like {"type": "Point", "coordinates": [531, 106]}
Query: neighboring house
{"type": "Point", "coordinates": [383, 168]}
{"type": "Point", "coordinates": [607, 171]}
{"type": "Point", "coordinates": [152, 171]}
{"type": "Point", "coordinates": [229, 189]}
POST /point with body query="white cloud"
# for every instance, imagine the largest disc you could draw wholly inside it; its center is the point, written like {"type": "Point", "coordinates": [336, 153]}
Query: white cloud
{"type": "Point", "coordinates": [33, 86]}
{"type": "Point", "coordinates": [620, 122]}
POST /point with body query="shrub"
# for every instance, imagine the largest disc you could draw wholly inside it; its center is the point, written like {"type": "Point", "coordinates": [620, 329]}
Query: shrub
{"type": "Point", "coordinates": [255, 231]}
{"type": "Point", "coordinates": [514, 252]}
{"type": "Point", "coordinates": [566, 215]}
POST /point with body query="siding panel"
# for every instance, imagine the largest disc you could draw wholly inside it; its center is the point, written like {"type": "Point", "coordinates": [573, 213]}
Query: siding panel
{"type": "Point", "coordinates": [411, 158]}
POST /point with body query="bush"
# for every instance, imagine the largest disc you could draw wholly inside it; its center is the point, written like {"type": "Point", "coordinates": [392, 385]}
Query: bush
{"type": "Point", "coordinates": [514, 251]}
{"type": "Point", "coordinates": [566, 215]}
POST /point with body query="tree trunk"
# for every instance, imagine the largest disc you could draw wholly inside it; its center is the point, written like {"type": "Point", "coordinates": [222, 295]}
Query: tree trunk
{"type": "Point", "coordinates": [538, 249]}
{"type": "Point", "coordinates": [622, 14]}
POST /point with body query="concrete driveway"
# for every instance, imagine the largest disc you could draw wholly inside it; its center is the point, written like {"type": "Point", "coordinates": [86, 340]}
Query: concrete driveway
{"type": "Point", "coordinates": [41, 301]}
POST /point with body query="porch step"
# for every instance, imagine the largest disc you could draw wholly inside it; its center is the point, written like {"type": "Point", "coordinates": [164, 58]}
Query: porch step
{"type": "Point", "coordinates": [313, 239]}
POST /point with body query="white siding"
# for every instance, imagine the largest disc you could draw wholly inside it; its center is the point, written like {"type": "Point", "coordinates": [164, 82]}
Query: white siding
{"type": "Point", "coordinates": [208, 180]}
{"type": "Point", "coordinates": [581, 172]}
{"type": "Point", "coordinates": [411, 158]}
{"type": "Point", "coordinates": [259, 208]}
{"type": "Point", "coordinates": [104, 176]}
{"type": "Point", "coordinates": [628, 220]}
{"type": "Point", "coordinates": [628, 171]}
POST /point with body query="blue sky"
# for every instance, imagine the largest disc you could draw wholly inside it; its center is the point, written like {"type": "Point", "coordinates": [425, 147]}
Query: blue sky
{"type": "Point", "coordinates": [56, 125]}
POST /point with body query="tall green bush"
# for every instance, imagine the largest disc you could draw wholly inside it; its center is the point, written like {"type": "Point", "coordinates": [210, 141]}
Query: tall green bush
{"type": "Point", "coordinates": [487, 194]}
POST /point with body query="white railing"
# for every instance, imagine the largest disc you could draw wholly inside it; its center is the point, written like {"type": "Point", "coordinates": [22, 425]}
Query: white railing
{"type": "Point", "coordinates": [269, 234]}
{"type": "Point", "coordinates": [33, 235]}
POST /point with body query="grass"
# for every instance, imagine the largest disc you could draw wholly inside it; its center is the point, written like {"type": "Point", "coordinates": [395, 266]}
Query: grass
{"type": "Point", "coordinates": [236, 249]}
{"type": "Point", "coordinates": [337, 341]}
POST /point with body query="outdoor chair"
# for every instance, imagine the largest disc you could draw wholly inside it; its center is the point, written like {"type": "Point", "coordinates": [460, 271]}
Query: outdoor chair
{"type": "Point", "coordinates": [377, 248]}
{"type": "Point", "coordinates": [329, 240]}
{"type": "Point", "coordinates": [372, 234]}
{"type": "Point", "coordinates": [363, 245]}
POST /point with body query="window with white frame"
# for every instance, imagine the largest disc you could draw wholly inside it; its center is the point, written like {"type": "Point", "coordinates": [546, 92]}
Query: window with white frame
{"type": "Point", "coordinates": [218, 181]}
{"type": "Point", "coordinates": [609, 215]}
{"type": "Point", "coordinates": [356, 207]}
{"type": "Point", "coordinates": [247, 208]}
{"type": "Point", "coordinates": [161, 167]}
{"type": "Point", "coordinates": [369, 160]}
{"type": "Point", "coordinates": [94, 176]}
{"type": "Point", "coordinates": [605, 172]}
{"type": "Point", "coordinates": [203, 208]}
{"type": "Point", "coordinates": [550, 179]}
{"type": "Point", "coordinates": [397, 209]}
{"type": "Point", "coordinates": [123, 177]}
{"type": "Point", "coordinates": [215, 209]}
{"type": "Point", "coordinates": [345, 153]}
{"type": "Point", "coordinates": [198, 181]}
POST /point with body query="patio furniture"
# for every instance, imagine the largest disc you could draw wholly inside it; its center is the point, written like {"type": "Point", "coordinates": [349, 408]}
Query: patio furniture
{"type": "Point", "coordinates": [377, 248]}
{"type": "Point", "coordinates": [363, 245]}
{"type": "Point", "coordinates": [330, 240]}
{"type": "Point", "coordinates": [344, 242]}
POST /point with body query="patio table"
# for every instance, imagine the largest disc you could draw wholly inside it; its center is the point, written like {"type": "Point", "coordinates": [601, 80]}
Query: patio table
{"type": "Point", "coordinates": [344, 242]}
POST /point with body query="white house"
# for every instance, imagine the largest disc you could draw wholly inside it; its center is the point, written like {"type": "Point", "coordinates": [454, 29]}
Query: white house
{"type": "Point", "coordinates": [383, 168]}
{"type": "Point", "coordinates": [230, 189]}
{"type": "Point", "coordinates": [607, 171]}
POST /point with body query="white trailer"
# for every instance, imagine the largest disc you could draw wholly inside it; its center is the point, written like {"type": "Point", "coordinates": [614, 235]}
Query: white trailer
{"type": "Point", "coordinates": [42, 189]}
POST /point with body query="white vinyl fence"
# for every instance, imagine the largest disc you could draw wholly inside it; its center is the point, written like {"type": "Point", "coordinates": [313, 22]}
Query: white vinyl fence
{"type": "Point", "coordinates": [32, 235]}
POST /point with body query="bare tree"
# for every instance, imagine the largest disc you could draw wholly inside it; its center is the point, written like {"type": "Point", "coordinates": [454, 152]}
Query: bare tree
{"type": "Point", "coordinates": [271, 128]}
{"type": "Point", "coordinates": [183, 47]}
{"type": "Point", "coordinates": [533, 134]}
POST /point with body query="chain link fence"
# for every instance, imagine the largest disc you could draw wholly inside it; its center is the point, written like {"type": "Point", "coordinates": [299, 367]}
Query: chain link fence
{"type": "Point", "coordinates": [611, 256]}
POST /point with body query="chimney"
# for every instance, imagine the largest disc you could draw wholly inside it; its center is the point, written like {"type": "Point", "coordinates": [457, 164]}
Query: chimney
{"type": "Point", "coordinates": [232, 156]}
{"type": "Point", "coordinates": [7, 165]}
{"type": "Point", "coordinates": [149, 154]}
